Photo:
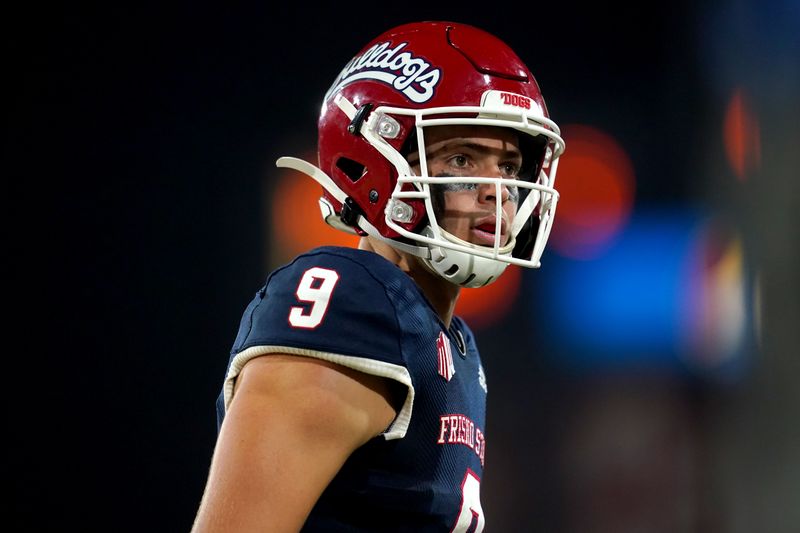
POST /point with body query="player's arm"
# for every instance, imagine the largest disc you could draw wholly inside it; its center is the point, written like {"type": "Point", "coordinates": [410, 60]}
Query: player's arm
{"type": "Point", "coordinates": [291, 424]}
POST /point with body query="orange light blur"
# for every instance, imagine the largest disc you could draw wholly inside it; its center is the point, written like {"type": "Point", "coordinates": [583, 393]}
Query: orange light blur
{"type": "Point", "coordinates": [297, 225]}
{"type": "Point", "coordinates": [597, 185]}
{"type": "Point", "coordinates": [742, 136]}
{"type": "Point", "coordinates": [485, 306]}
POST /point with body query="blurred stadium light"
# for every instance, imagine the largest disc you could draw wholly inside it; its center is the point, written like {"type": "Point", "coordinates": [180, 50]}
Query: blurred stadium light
{"type": "Point", "coordinates": [671, 293]}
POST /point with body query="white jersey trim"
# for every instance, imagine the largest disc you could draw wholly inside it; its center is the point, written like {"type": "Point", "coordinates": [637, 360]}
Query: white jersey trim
{"type": "Point", "coordinates": [398, 427]}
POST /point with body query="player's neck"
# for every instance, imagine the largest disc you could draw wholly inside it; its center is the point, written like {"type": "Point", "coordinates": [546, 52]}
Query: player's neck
{"type": "Point", "coordinates": [441, 294]}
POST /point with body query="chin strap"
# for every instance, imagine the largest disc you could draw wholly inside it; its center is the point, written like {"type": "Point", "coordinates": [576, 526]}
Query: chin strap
{"type": "Point", "coordinates": [319, 176]}
{"type": "Point", "coordinates": [328, 213]}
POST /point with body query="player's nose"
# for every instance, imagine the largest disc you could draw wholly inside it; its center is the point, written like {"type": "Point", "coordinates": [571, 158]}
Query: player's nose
{"type": "Point", "coordinates": [488, 192]}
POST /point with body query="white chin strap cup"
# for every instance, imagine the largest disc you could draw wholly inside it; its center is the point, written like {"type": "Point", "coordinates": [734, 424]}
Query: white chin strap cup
{"type": "Point", "coordinates": [462, 268]}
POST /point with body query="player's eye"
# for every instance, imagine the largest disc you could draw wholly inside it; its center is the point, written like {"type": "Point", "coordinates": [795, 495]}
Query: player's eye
{"type": "Point", "coordinates": [511, 169]}
{"type": "Point", "coordinates": [459, 161]}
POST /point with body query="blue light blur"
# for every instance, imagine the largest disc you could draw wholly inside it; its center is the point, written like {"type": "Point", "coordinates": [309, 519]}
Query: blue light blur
{"type": "Point", "coordinates": [630, 309]}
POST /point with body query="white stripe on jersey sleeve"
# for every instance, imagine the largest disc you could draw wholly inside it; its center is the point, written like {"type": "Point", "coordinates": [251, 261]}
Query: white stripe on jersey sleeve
{"type": "Point", "coordinates": [398, 427]}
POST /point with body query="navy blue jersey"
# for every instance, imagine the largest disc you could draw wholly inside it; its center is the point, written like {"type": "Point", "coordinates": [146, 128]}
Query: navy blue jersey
{"type": "Point", "coordinates": [357, 309]}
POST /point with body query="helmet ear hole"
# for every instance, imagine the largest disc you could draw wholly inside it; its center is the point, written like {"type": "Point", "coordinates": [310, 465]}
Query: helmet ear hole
{"type": "Point", "coordinates": [352, 169]}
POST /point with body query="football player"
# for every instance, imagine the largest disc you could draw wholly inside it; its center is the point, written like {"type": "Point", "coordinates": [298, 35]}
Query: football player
{"type": "Point", "coordinates": [354, 398]}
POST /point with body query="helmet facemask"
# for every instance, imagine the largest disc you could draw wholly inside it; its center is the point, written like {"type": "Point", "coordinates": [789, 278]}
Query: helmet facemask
{"type": "Point", "coordinates": [464, 263]}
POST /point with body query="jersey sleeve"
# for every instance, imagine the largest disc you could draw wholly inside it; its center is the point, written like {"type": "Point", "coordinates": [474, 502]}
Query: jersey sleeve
{"type": "Point", "coordinates": [329, 307]}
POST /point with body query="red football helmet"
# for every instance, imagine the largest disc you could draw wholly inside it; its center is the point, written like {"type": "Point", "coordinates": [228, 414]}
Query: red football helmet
{"type": "Point", "coordinates": [375, 113]}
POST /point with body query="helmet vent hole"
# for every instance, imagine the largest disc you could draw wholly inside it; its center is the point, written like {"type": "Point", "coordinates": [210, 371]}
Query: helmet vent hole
{"type": "Point", "coordinates": [451, 271]}
{"type": "Point", "coordinates": [352, 169]}
{"type": "Point", "coordinates": [469, 279]}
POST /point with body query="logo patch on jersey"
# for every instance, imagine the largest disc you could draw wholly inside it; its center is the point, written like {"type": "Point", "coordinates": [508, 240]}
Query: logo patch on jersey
{"type": "Point", "coordinates": [444, 355]}
{"type": "Point", "coordinates": [482, 379]}
{"type": "Point", "coordinates": [411, 75]}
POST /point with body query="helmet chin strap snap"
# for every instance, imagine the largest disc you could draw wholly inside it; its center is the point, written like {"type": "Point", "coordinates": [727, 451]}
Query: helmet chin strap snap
{"type": "Point", "coordinates": [355, 125]}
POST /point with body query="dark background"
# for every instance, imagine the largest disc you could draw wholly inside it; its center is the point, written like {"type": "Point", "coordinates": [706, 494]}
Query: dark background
{"type": "Point", "coordinates": [139, 144]}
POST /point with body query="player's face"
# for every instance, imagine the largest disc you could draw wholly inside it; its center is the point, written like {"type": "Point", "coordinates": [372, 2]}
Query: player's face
{"type": "Point", "coordinates": [474, 151]}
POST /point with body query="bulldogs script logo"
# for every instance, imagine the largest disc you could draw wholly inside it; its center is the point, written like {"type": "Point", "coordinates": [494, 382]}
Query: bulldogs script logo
{"type": "Point", "coordinates": [413, 76]}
